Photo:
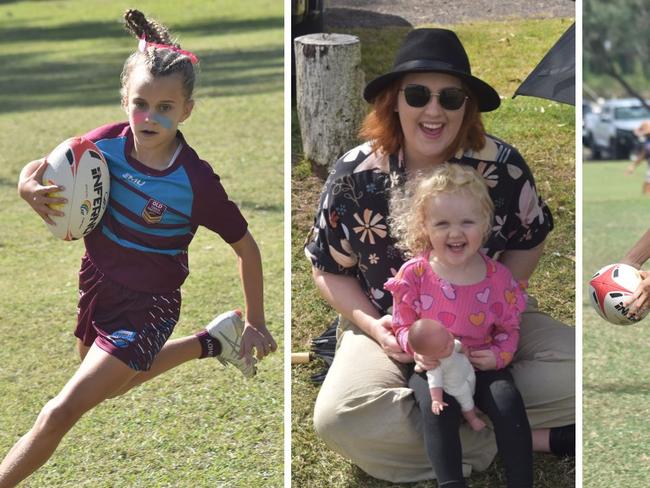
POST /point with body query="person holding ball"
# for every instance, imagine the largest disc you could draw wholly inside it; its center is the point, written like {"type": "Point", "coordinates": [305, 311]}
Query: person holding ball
{"type": "Point", "coordinates": [639, 253]}
{"type": "Point", "coordinates": [136, 259]}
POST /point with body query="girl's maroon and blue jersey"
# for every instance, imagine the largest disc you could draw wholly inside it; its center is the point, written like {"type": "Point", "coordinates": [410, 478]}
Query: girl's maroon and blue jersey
{"type": "Point", "coordinates": [152, 215]}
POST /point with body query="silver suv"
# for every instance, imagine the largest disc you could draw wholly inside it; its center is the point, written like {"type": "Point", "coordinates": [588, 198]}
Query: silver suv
{"type": "Point", "coordinates": [612, 132]}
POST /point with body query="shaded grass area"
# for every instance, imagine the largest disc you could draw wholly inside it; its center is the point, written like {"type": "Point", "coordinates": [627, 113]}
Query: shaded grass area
{"type": "Point", "coordinates": [502, 53]}
{"type": "Point", "coordinates": [615, 359]}
{"type": "Point", "coordinates": [199, 425]}
{"type": "Point", "coordinates": [237, 47]}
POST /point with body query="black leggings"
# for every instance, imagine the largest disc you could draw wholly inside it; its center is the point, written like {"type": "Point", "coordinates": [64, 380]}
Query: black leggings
{"type": "Point", "coordinates": [497, 396]}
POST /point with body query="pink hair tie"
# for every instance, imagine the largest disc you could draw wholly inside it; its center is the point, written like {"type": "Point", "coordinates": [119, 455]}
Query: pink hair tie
{"type": "Point", "coordinates": [144, 44]}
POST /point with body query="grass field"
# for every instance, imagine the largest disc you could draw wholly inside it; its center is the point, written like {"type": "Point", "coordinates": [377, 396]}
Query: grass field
{"type": "Point", "coordinates": [199, 425]}
{"type": "Point", "coordinates": [615, 359]}
{"type": "Point", "coordinates": [502, 53]}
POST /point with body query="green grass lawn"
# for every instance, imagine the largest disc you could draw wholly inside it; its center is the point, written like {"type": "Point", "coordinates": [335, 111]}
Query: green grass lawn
{"type": "Point", "coordinates": [615, 359]}
{"type": "Point", "coordinates": [502, 53]}
{"type": "Point", "coordinates": [199, 425]}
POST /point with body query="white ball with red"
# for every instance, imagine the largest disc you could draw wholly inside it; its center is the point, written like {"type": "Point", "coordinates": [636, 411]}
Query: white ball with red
{"type": "Point", "coordinates": [79, 166]}
{"type": "Point", "coordinates": [609, 288]}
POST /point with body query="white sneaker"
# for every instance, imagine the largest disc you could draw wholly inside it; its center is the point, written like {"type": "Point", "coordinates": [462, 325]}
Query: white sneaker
{"type": "Point", "coordinates": [228, 328]}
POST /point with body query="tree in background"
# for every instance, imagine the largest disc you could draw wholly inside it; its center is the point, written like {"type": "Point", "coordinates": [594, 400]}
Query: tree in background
{"type": "Point", "coordinates": [616, 41]}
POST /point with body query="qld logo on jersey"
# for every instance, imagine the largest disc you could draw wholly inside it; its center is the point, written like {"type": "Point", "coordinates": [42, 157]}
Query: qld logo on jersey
{"type": "Point", "coordinates": [154, 211]}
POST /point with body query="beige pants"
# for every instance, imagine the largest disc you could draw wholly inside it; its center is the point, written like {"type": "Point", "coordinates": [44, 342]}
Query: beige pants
{"type": "Point", "coordinates": [365, 412]}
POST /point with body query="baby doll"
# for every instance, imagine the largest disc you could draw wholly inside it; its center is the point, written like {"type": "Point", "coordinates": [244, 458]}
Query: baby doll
{"type": "Point", "coordinates": [455, 374]}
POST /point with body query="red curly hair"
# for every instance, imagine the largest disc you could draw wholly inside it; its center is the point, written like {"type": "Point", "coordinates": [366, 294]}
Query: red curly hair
{"type": "Point", "coordinates": [382, 126]}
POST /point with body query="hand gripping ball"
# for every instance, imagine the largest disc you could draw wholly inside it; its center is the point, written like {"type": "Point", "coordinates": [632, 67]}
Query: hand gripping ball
{"type": "Point", "coordinates": [609, 288]}
{"type": "Point", "coordinates": [79, 166]}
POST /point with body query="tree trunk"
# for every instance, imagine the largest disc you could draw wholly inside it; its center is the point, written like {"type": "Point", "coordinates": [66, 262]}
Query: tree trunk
{"type": "Point", "coordinates": [329, 84]}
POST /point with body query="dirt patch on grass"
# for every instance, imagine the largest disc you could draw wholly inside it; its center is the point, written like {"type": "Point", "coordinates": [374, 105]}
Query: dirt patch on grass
{"type": "Point", "coordinates": [304, 199]}
{"type": "Point", "coordinates": [383, 13]}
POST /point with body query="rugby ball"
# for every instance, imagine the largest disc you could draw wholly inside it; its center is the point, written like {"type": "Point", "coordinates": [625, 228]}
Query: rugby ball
{"type": "Point", "coordinates": [609, 288]}
{"type": "Point", "coordinates": [78, 166]}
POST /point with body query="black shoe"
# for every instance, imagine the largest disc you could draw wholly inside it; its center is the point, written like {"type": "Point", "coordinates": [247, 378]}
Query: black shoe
{"type": "Point", "coordinates": [563, 441]}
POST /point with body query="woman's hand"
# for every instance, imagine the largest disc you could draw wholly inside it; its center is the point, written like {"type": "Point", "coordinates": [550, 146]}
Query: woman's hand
{"type": "Point", "coordinates": [639, 302]}
{"type": "Point", "coordinates": [386, 339]}
{"type": "Point", "coordinates": [259, 338]}
{"type": "Point", "coordinates": [425, 363]}
{"type": "Point", "coordinates": [483, 360]}
{"type": "Point", "coordinates": [31, 189]}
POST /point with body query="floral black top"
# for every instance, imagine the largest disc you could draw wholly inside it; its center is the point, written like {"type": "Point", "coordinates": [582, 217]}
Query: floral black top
{"type": "Point", "coordinates": [350, 233]}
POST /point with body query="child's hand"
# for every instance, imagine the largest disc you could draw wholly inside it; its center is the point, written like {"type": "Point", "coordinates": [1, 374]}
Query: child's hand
{"type": "Point", "coordinates": [256, 337]}
{"type": "Point", "coordinates": [438, 406]}
{"type": "Point", "coordinates": [386, 339]}
{"type": "Point", "coordinates": [31, 189]}
{"type": "Point", "coordinates": [425, 363]}
{"type": "Point", "coordinates": [483, 360]}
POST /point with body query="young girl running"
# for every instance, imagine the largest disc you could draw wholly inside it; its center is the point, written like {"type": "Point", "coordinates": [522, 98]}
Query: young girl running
{"type": "Point", "coordinates": [136, 259]}
{"type": "Point", "coordinates": [442, 219]}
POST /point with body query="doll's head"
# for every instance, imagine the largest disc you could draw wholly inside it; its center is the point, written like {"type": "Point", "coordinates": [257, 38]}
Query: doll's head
{"type": "Point", "coordinates": [431, 338]}
{"type": "Point", "coordinates": [442, 209]}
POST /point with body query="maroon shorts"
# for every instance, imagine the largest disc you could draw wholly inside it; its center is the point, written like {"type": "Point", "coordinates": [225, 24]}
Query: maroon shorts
{"type": "Point", "coordinates": [132, 326]}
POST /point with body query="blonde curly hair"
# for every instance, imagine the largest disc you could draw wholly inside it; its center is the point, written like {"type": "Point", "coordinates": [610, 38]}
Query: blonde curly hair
{"type": "Point", "coordinates": [408, 205]}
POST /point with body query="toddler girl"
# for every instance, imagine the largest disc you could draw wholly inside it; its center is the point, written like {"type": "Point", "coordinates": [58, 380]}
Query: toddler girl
{"type": "Point", "coordinates": [442, 219]}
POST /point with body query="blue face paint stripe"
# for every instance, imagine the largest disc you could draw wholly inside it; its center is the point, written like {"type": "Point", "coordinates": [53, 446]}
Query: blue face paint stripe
{"type": "Point", "coordinates": [141, 117]}
{"type": "Point", "coordinates": [164, 122]}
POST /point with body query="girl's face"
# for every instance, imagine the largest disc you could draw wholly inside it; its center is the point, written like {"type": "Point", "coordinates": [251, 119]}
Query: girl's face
{"type": "Point", "coordinates": [155, 106]}
{"type": "Point", "coordinates": [456, 228]}
{"type": "Point", "coordinates": [429, 130]}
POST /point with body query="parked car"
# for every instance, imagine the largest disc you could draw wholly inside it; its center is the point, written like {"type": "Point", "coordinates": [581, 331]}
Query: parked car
{"type": "Point", "coordinates": [612, 133]}
{"type": "Point", "coordinates": [590, 114]}
{"type": "Point", "coordinates": [306, 17]}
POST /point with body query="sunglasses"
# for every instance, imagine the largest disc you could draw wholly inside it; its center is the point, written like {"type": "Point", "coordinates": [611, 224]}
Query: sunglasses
{"type": "Point", "coordinates": [451, 98]}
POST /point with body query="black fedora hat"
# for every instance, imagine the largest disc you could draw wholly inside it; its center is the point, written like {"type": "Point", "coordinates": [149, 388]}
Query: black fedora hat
{"type": "Point", "coordinates": [435, 50]}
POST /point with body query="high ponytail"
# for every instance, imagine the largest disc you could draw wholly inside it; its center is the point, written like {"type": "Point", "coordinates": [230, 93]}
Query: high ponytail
{"type": "Point", "coordinates": [163, 59]}
{"type": "Point", "coordinates": [138, 25]}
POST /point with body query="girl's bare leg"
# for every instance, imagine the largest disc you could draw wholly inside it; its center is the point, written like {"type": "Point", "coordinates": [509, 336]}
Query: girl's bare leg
{"type": "Point", "coordinates": [99, 376]}
{"type": "Point", "coordinates": [174, 353]}
{"type": "Point", "coordinates": [541, 440]}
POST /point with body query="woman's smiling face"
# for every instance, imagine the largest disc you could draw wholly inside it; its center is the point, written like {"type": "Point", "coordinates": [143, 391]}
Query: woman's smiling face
{"type": "Point", "coordinates": [430, 130]}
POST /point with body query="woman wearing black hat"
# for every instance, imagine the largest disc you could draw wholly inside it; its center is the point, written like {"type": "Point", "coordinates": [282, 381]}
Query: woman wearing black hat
{"type": "Point", "coordinates": [425, 111]}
